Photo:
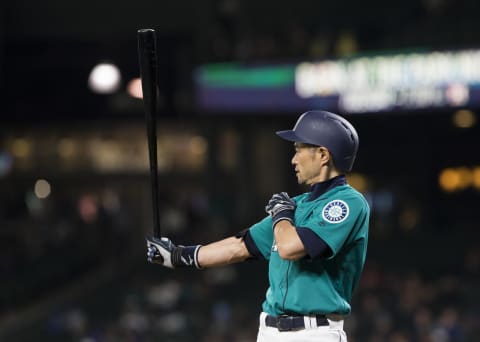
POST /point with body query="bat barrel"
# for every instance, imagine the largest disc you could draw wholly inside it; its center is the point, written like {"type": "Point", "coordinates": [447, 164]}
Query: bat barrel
{"type": "Point", "coordinates": [148, 70]}
{"type": "Point", "coordinates": [148, 73]}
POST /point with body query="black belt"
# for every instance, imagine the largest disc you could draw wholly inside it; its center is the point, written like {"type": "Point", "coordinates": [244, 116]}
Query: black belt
{"type": "Point", "coordinates": [288, 323]}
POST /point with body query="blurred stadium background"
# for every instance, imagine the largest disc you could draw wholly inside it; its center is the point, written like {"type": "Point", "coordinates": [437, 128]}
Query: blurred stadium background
{"type": "Point", "coordinates": [75, 197]}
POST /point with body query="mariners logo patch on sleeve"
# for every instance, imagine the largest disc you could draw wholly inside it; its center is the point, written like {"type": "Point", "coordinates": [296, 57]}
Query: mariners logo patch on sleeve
{"type": "Point", "coordinates": [335, 211]}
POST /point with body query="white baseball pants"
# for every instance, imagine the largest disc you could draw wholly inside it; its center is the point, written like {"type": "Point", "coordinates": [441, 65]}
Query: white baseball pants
{"type": "Point", "coordinates": [329, 333]}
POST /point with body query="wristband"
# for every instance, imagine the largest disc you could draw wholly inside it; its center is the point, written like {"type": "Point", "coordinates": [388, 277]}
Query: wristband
{"type": "Point", "coordinates": [185, 256]}
{"type": "Point", "coordinates": [283, 215]}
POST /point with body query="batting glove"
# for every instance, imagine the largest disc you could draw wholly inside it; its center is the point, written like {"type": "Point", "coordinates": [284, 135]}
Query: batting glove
{"type": "Point", "coordinates": [281, 207]}
{"type": "Point", "coordinates": [165, 252]}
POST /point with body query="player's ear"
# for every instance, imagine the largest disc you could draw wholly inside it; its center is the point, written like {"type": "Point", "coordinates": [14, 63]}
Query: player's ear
{"type": "Point", "coordinates": [324, 154]}
{"type": "Point", "coordinates": [327, 158]}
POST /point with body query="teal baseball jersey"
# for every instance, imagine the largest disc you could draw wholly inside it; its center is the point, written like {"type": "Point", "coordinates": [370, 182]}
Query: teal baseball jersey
{"type": "Point", "coordinates": [340, 217]}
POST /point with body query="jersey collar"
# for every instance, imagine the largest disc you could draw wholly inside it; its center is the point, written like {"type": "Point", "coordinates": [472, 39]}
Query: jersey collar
{"type": "Point", "coordinates": [319, 189]}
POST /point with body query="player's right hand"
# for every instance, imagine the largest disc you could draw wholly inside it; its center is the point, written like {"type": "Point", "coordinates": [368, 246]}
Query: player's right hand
{"type": "Point", "coordinates": [281, 207]}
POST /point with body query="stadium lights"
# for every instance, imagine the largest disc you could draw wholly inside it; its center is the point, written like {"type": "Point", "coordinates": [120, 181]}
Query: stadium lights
{"type": "Point", "coordinates": [42, 189]}
{"type": "Point", "coordinates": [476, 177]}
{"type": "Point", "coordinates": [359, 181]}
{"type": "Point", "coordinates": [104, 78]}
{"type": "Point", "coordinates": [460, 178]}
{"type": "Point", "coordinates": [134, 88]}
{"type": "Point", "coordinates": [21, 148]}
{"type": "Point", "coordinates": [464, 118]}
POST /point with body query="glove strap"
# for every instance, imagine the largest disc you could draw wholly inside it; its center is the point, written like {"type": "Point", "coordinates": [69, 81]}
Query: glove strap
{"type": "Point", "coordinates": [186, 256]}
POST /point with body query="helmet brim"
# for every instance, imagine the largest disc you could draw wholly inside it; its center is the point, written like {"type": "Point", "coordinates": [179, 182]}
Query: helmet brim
{"type": "Point", "coordinates": [288, 135]}
{"type": "Point", "coordinates": [291, 135]}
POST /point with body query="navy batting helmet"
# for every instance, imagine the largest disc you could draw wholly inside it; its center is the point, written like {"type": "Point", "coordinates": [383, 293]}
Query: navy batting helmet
{"type": "Point", "coordinates": [329, 130]}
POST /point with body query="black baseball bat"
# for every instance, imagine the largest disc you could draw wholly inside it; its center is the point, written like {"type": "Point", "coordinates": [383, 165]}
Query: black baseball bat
{"type": "Point", "coordinates": [147, 57]}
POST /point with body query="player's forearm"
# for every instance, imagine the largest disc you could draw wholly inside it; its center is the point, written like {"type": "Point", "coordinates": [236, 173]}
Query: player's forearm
{"type": "Point", "coordinates": [223, 252]}
{"type": "Point", "coordinates": [288, 242]}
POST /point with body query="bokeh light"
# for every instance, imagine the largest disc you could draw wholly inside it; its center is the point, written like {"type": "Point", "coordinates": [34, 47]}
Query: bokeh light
{"type": "Point", "coordinates": [134, 88]}
{"type": "Point", "coordinates": [464, 118]}
{"type": "Point", "coordinates": [42, 189]}
{"type": "Point", "coordinates": [21, 148]}
{"type": "Point", "coordinates": [66, 148]}
{"type": "Point", "coordinates": [449, 179]}
{"type": "Point", "coordinates": [358, 181]}
{"type": "Point", "coordinates": [198, 145]}
{"type": "Point", "coordinates": [104, 78]}
{"type": "Point", "coordinates": [476, 177]}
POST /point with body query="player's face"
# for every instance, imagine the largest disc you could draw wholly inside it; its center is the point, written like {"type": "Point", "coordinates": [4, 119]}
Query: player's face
{"type": "Point", "coordinates": [308, 162]}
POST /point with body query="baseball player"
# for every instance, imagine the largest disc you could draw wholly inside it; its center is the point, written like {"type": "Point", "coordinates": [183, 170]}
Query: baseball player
{"type": "Point", "coordinates": [315, 243]}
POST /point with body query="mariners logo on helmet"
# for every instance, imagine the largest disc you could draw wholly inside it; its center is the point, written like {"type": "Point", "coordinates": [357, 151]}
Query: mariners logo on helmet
{"type": "Point", "coordinates": [335, 211]}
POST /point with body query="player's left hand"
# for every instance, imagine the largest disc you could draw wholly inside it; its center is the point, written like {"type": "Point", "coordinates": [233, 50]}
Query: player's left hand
{"type": "Point", "coordinates": [281, 207]}
{"type": "Point", "coordinates": [164, 252]}
{"type": "Point", "coordinates": [159, 251]}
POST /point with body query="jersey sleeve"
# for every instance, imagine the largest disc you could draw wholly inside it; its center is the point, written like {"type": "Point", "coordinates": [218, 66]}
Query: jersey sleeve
{"type": "Point", "coordinates": [336, 221]}
{"type": "Point", "coordinates": [262, 235]}
{"type": "Point", "coordinates": [314, 245]}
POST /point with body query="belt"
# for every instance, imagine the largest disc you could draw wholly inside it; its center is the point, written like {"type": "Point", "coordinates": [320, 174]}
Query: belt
{"type": "Point", "coordinates": [288, 323]}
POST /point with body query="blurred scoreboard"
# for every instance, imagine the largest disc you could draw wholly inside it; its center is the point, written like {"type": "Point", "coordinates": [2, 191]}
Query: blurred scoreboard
{"type": "Point", "coordinates": [399, 82]}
